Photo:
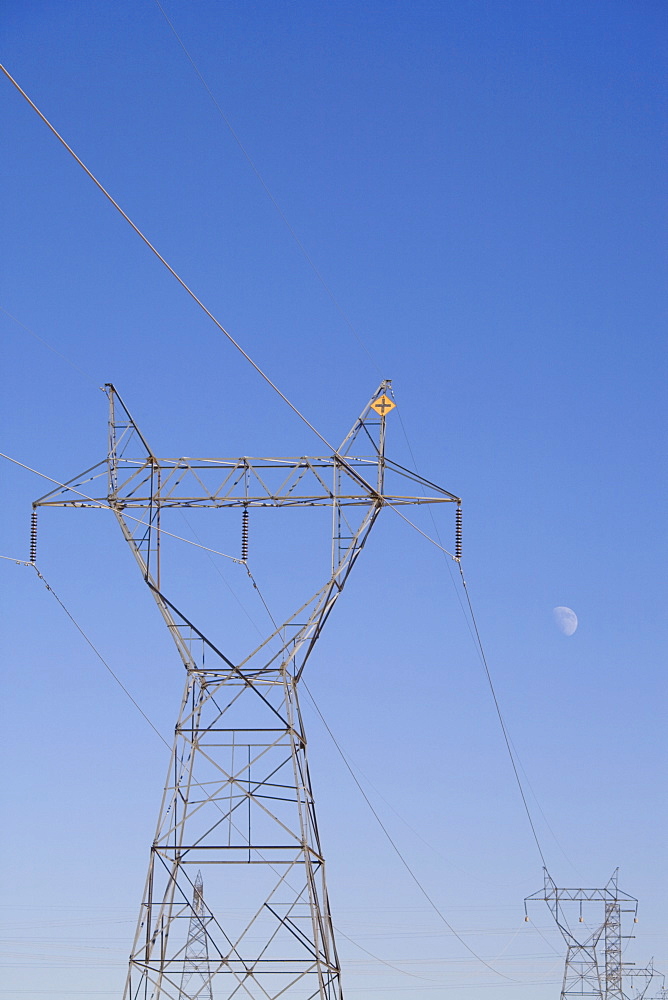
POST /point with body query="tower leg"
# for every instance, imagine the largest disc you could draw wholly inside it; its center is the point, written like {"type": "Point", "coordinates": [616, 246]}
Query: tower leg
{"type": "Point", "coordinates": [237, 805]}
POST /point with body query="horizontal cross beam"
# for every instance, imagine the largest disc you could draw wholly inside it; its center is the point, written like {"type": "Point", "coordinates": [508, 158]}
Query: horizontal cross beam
{"type": "Point", "coordinates": [242, 482]}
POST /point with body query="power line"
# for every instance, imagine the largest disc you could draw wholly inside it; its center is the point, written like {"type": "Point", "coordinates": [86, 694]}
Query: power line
{"type": "Point", "coordinates": [476, 637]}
{"type": "Point", "coordinates": [136, 704]}
{"type": "Point", "coordinates": [401, 857]}
{"type": "Point", "coordinates": [501, 720]}
{"type": "Point", "coordinates": [327, 727]}
{"type": "Point", "coordinates": [103, 506]}
{"type": "Point", "coordinates": [232, 592]}
{"type": "Point", "coordinates": [162, 260]}
{"type": "Point", "coordinates": [382, 961]}
{"type": "Point", "coordinates": [99, 654]}
{"type": "Point", "coordinates": [53, 350]}
{"type": "Point", "coordinates": [375, 814]}
{"type": "Point", "coordinates": [384, 829]}
{"type": "Point", "coordinates": [337, 745]}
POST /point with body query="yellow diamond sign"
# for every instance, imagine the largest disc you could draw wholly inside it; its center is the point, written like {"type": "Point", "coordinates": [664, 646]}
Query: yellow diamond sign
{"type": "Point", "coordinates": [382, 405]}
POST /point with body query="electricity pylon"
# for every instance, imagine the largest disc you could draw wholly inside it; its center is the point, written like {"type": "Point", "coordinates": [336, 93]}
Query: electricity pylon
{"type": "Point", "coordinates": [196, 978]}
{"type": "Point", "coordinates": [238, 799]}
{"type": "Point", "coordinates": [587, 972]}
{"type": "Point", "coordinates": [644, 979]}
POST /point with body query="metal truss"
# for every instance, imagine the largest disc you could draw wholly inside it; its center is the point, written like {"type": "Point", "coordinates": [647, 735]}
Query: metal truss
{"type": "Point", "coordinates": [196, 978]}
{"type": "Point", "coordinates": [644, 979]}
{"type": "Point", "coordinates": [238, 802]}
{"type": "Point", "coordinates": [587, 973]}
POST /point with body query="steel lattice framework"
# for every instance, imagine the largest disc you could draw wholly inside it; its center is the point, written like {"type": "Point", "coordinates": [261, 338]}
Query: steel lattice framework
{"type": "Point", "coordinates": [238, 801]}
{"type": "Point", "coordinates": [196, 977]}
{"type": "Point", "coordinates": [587, 973]}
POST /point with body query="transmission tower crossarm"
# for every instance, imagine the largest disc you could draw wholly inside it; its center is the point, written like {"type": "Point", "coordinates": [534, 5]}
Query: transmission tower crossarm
{"type": "Point", "coordinates": [551, 892]}
{"type": "Point", "coordinates": [235, 487]}
{"type": "Point", "coordinates": [139, 479]}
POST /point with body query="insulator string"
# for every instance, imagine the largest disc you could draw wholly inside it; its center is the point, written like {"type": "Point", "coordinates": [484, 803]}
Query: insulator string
{"type": "Point", "coordinates": [458, 533]}
{"type": "Point", "coordinates": [33, 537]}
{"type": "Point", "coordinates": [244, 535]}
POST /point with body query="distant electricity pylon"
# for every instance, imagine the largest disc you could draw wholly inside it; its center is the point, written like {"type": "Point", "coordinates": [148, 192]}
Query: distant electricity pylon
{"type": "Point", "coordinates": [196, 978]}
{"type": "Point", "coordinates": [594, 966]}
{"type": "Point", "coordinates": [643, 979]}
{"type": "Point", "coordinates": [238, 801]}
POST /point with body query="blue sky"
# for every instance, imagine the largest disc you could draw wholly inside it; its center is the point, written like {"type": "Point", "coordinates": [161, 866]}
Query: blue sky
{"type": "Point", "coordinates": [481, 187]}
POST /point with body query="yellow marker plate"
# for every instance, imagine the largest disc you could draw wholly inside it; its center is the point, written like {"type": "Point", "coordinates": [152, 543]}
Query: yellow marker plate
{"type": "Point", "coordinates": [382, 405]}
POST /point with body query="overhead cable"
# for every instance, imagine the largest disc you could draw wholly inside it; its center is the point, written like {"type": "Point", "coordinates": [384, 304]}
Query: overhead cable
{"type": "Point", "coordinates": [162, 260]}
{"type": "Point", "coordinates": [49, 347]}
{"type": "Point", "coordinates": [99, 654]}
{"type": "Point", "coordinates": [476, 637]}
{"type": "Point", "coordinates": [401, 857]}
{"type": "Point", "coordinates": [477, 641]}
{"type": "Point", "coordinates": [104, 506]}
{"type": "Point", "coordinates": [501, 719]}
{"type": "Point", "coordinates": [162, 738]}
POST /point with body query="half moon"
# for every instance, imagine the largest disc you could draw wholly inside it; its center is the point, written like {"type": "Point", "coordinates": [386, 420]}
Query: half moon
{"type": "Point", "coordinates": [565, 619]}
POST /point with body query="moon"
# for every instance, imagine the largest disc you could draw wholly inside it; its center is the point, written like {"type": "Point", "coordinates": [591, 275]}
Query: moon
{"type": "Point", "coordinates": [565, 619]}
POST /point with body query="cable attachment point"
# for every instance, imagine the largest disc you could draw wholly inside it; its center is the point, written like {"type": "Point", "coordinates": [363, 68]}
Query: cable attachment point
{"type": "Point", "coordinates": [458, 532]}
{"type": "Point", "coordinates": [33, 537]}
{"type": "Point", "coordinates": [244, 535]}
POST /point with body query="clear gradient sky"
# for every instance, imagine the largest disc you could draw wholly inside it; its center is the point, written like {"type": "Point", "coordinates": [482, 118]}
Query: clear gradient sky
{"type": "Point", "coordinates": [480, 185]}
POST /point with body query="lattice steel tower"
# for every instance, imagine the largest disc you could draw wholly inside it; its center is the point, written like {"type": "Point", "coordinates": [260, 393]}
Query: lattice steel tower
{"type": "Point", "coordinates": [587, 972]}
{"type": "Point", "coordinates": [196, 978]}
{"type": "Point", "coordinates": [643, 980]}
{"type": "Point", "coordinates": [238, 801]}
